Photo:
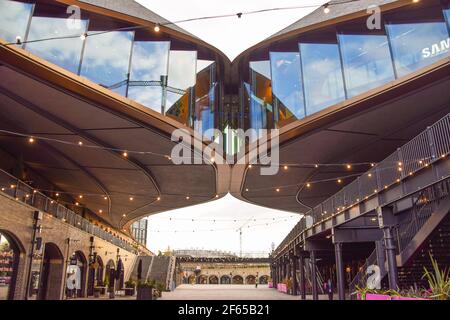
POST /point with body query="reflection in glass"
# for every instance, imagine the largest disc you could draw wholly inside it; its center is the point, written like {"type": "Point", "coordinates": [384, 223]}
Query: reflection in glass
{"type": "Point", "coordinates": [260, 94]}
{"type": "Point", "coordinates": [14, 17]}
{"type": "Point", "coordinates": [205, 99]}
{"type": "Point", "coordinates": [415, 45]}
{"type": "Point", "coordinates": [447, 17]}
{"type": "Point", "coordinates": [181, 80]}
{"type": "Point", "coordinates": [367, 61]}
{"type": "Point", "coordinates": [322, 75]}
{"type": "Point", "coordinates": [106, 60]}
{"type": "Point", "coordinates": [286, 85]}
{"type": "Point", "coordinates": [149, 63]}
{"type": "Point", "coordinates": [65, 53]}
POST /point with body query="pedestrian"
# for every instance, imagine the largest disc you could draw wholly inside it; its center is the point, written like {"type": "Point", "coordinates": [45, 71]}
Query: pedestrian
{"type": "Point", "coordinates": [330, 289]}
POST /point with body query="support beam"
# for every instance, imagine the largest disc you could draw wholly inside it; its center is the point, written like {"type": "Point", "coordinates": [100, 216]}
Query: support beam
{"type": "Point", "coordinates": [391, 257]}
{"type": "Point", "coordinates": [339, 270]}
{"type": "Point", "coordinates": [315, 292]}
{"type": "Point", "coordinates": [301, 263]}
{"type": "Point", "coordinates": [294, 273]}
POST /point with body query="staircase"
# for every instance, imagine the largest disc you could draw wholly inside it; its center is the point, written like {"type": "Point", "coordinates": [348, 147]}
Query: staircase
{"type": "Point", "coordinates": [308, 279]}
{"type": "Point", "coordinates": [426, 229]}
{"type": "Point", "coordinates": [157, 268]}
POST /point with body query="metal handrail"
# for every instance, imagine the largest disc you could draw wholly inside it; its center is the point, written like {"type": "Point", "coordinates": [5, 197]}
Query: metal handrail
{"type": "Point", "coordinates": [23, 192]}
{"type": "Point", "coordinates": [424, 149]}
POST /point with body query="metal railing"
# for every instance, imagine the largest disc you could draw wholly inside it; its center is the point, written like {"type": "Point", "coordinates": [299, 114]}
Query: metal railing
{"type": "Point", "coordinates": [426, 148]}
{"type": "Point", "coordinates": [23, 192]}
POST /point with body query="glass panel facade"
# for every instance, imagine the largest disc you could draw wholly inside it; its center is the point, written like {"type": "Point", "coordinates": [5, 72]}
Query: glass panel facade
{"type": "Point", "coordinates": [181, 80]}
{"type": "Point", "coordinates": [447, 17]}
{"type": "Point", "coordinates": [106, 60]}
{"type": "Point", "coordinates": [14, 18]}
{"type": "Point", "coordinates": [416, 45]}
{"type": "Point", "coordinates": [322, 75]}
{"type": "Point", "coordinates": [205, 99]}
{"type": "Point", "coordinates": [367, 61]}
{"type": "Point", "coordinates": [49, 22]}
{"type": "Point", "coordinates": [149, 63]}
{"type": "Point", "coordinates": [287, 87]}
{"type": "Point", "coordinates": [260, 93]}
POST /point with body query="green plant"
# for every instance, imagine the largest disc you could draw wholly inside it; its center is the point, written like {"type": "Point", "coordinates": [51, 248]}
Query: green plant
{"type": "Point", "coordinates": [130, 283]}
{"type": "Point", "coordinates": [438, 281]}
{"type": "Point", "coordinates": [160, 286]}
{"type": "Point", "coordinates": [145, 284]}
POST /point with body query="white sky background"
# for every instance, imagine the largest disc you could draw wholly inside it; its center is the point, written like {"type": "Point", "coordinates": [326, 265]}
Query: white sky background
{"type": "Point", "coordinates": [232, 36]}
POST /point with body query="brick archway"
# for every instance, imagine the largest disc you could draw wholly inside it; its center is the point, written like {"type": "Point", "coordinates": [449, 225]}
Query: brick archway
{"type": "Point", "coordinates": [52, 274]}
{"type": "Point", "coordinates": [16, 255]}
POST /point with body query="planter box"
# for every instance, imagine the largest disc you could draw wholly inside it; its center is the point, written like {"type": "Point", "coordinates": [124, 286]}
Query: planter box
{"type": "Point", "coordinates": [270, 284]}
{"type": "Point", "coordinates": [144, 294]}
{"type": "Point", "coordinates": [281, 287]}
{"type": "Point", "coordinates": [373, 296]}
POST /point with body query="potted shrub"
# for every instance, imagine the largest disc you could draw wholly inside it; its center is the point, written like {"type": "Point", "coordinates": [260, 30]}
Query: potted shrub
{"type": "Point", "coordinates": [131, 286]}
{"type": "Point", "coordinates": [160, 287]}
{"type": "Point", "coordinates": [145, 290]}
{"type": "Point", "coordinates": [438, 281]}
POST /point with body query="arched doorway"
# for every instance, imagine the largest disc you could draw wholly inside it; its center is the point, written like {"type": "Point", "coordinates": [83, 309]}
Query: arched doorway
{"type": "Point", "coordinates": [95, 275]}
{"type": "Point", "coordinates": [10, 251]}
{"type": "Point", "coordinates": [213, 280]}
{"type": "Point", "coordinates": [202, 279]}
{"type": "Point", "coordinates": [110, 275]}
{"type": "Point", "coordinates": [238, 280]}
{"type": "Point", "coordinates": [250, 279]}
{"type": "Point", "coordinates": [79, 260]}
{"type": "Point", "coordinates": [264, 280]}
{"type": "Point", "coordinates": [52, 273]}
{"type": "Point", "coordinates": [225, 280]}
{"type": "Point", "coordinates": [191, 279]}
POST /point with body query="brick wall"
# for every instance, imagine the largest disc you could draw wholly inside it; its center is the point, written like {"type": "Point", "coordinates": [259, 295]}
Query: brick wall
{"type": "Point", "coordinates": [16, 221]}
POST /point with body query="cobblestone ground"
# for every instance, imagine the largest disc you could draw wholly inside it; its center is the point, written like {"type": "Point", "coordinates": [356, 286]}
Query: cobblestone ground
{"type": "Point", "coordinates": [226, 292]}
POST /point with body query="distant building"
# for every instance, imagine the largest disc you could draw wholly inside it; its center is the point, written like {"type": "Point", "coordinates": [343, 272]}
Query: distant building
{"type": "Point", "coordinates": [139, 231]}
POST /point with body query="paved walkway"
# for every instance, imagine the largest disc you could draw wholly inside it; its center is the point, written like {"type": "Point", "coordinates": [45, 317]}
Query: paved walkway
{"type": "Point", "coordinates": [226, 292]}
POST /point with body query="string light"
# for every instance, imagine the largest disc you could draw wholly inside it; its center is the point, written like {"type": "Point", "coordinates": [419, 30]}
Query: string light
{"type": "Point", "coordinates": [125, 154]}
{"type": "Point", "coordinates": [187, 197]}
{"type": "Point", "coordinates": [308, 185]}
{"type": "Point", "coordinates": [278, 190]}
{"type": "Point", "coordinates": [286, 167]}
{"type": "Point", "coordinates": [349, 166]}
{"type": "Point", "coordinates": [250, 166]}
{"type": "Point", "coordinates": [31, 140]}
{"type": "Point", "coordinates": [157, 28]}
{"type": "Point", "coordinates": [80, 143]}
{"type": "Point", "coordinates": [18, 40]}
{"type": "Point", "coordinates": [131, 198]}
{"type": "Point", "coordinates": [326, 8]}
{"type": "Point", "coordinates": [339, 181]}
{"type": "Point", "coordinates": [158, 199]}
{"type": "Point", "coordinates": [83, 36]}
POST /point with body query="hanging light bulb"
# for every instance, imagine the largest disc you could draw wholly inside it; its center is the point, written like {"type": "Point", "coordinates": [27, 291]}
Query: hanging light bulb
{"type": "Point", "coordinates": [125, 154]}
{"type": "Point", "coordinates": [349, 166]}
{"type": "Point", "coordinates": [80, 143]}
{"type": "Point", "coordinates": [158, 199]}
{"type": "Point", "coordinates": [326, 8]}
{"type": "Point", "coordinates": [19, 40]}
{"type": "Point", "coordinates": [31, 140]}
{"type": "Point", "coordinates": [157, 28]}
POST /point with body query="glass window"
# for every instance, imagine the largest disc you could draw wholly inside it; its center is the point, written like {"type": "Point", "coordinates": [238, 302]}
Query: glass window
{"type": "Point", "coordinates": [51, 21]}
{"type": "Point", "coordinates": [14, 18]}
{"type": "Point", "coordinates": [322, 75]}
{"type": "Point", "coordinates": [149, 63]}
{"type": "Point", "coordinates": [260, 94]}
{"type": "Point", "coordinates": [106, 59]}
{"type": "Point", "coordinates": [286, 86]}
{"type": "Point", "coordinates": [367, 61]}
{"type": "Point", "coordinates": [417, 44]}
{"type": "Point", "coordinates": [181, 80]}
{"type": "Point", "coordinates": [447, 17]}
{"type": "Point", "coordinates": [205, 97]}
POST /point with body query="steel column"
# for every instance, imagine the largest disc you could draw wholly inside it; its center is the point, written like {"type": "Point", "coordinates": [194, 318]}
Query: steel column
{"type": "Point", "coordinates": [312, 258]}
{"type": "Point", "coordinates": [391, 257]}
{"type": "Point", "coordinates": [301, 263]}
{"type": "Point", "coordinates": [294, 275]}
{"type": "Point", "coordinates": [339, 270]}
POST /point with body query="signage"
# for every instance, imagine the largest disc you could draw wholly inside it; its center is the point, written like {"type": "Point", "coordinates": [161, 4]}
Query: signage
{"type": "Point", "coordinates": [436, 49]}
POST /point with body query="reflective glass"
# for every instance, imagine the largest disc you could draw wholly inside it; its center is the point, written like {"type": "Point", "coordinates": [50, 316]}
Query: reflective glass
{"type": "Point", "coordinates": [367, 61]}
{"type": "Point", "coordinates": [287, 86]}
{"type": "Point", "coordinates": [65, 53]}
{"type": "Point", "coordinates": [106, 60]}
{"type": "Point", "coordinates": [415, 45]}
{"type": "Point", "coordinates": [260, 93]}
{"type": "Point", "coordinates": [205, 99]}
{"type": "Point", "coordinates": [447, 16]}
{"type": "Point", "coordinates": [14, 18]}
{"type": "Point", "coordinates": [181, 80]}
{"type": "Point", "coordinates": [149, 62]}
{"type": "Point", "coordinates": [322, 75]}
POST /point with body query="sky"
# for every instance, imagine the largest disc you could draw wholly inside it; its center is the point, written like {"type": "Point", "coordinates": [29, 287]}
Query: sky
{"type": "Point", "coordinates": [175, 229]}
